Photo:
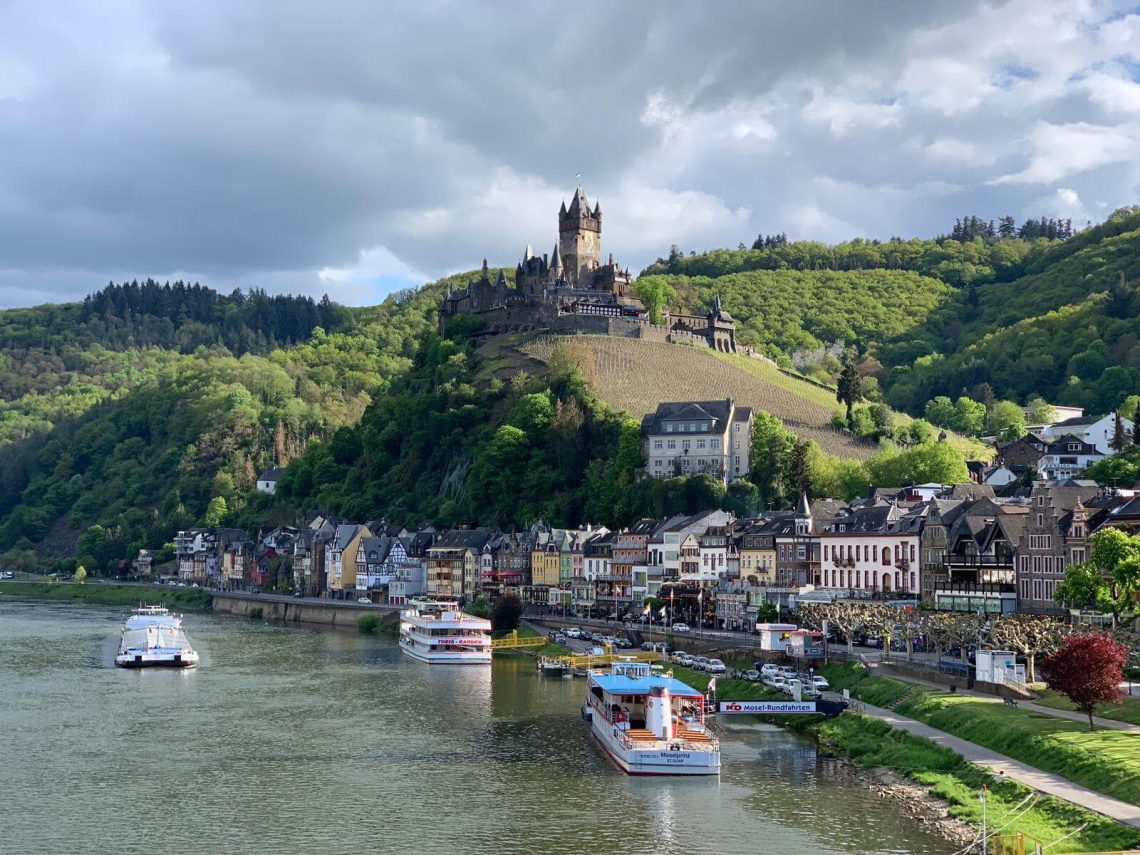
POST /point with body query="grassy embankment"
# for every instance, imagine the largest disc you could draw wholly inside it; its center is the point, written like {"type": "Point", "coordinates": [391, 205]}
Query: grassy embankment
{"type": "Point", "coordinates": [1106, 760]}
{"type": "Point", "coordinates": [1129, 711]}
{"type": "Point", "coordinates": [873, 743]}
{"type": "Point", "coordinates": [186, 599]}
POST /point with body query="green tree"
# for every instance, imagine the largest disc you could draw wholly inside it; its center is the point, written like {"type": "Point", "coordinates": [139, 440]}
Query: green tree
{"type": "Point", "coordinates": [216, 511]}
{"type": "Point", "coordinates": [849, 389]}
{"type": "Point", "coordinates": [80, 574]}
{"type": "Point", "coordinates": [940, 411]}
{"type": "Point", "coordinates": [1039, 411]}
{"type": "Point", "coordinates": [931, 462]}
{"type": "Point", "coordinates": [1109, 579]}
{"type": "Point", "coordinates": [1007, 421]}
{"type": "Point", "coordinates": [656, 294]}
{"type": "Point", "coordinates": [969, 416]}
{"type": "Point", "coordinates": [1120, 439]}
{"type": "Point", "coordinates": [506, 613]}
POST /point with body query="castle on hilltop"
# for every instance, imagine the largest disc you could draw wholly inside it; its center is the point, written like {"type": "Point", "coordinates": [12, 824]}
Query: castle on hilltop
{"type": "Point", "coordinates": [570, 290]}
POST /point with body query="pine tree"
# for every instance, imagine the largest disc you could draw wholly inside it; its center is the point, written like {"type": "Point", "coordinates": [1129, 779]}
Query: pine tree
{"type": "Point", "coordinates": [1119, 435]}
{"type": "Point", "coordinates": [849, 390]}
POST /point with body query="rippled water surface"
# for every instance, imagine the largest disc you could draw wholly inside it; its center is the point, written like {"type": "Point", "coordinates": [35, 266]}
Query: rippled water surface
{"type": "Point", "coordinates": [292, 739]}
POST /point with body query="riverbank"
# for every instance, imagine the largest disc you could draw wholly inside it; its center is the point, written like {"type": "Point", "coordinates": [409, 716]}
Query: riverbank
{"type": "Point", "coordinates": [183, 599]}
{"type": "Point", "coordinates": [934, 784]}
{"type": "Point", "coordinates": [1106, 761]}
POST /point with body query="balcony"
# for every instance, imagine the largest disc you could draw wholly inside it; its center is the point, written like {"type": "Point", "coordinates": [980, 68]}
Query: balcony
{"type": "Point", "coordinates": [614, 577]}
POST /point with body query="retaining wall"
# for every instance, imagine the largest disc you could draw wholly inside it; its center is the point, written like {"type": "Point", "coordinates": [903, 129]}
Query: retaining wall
{"type": "Point", "coordinates": [328, 612]}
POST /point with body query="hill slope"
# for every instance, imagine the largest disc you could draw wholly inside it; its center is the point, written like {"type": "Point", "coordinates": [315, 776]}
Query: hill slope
{"type": "Point", "coordinates": [635, 375]}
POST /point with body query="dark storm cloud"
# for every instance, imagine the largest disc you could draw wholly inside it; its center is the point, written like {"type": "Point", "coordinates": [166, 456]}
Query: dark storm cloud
{"type": "Point", "coordinates": [346, 146]}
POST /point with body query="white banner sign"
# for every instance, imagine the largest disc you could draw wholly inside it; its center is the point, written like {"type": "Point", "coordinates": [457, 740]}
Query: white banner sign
{"type": "Point", "coordinates": [768, 707]}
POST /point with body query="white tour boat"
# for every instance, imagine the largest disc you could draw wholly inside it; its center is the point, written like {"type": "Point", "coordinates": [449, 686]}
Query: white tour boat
{"type": "Point", "coordinates": [439, 632]}
{"type": "Point", "coordinates": [650, 723]}
{"type": "Point", "coordinates": [153, 637]}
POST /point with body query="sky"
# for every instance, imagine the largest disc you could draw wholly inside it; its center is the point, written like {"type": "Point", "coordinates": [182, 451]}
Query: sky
{"type": "Point", "coordinates": [351, 147]}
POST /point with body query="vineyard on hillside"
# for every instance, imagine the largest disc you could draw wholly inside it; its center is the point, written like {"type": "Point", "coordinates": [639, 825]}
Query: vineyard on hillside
{"type": "Point", "coordinates": [635, 376]}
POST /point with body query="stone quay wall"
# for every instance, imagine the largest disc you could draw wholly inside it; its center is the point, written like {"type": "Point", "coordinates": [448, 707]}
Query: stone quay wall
{"type": "Point", "coordinates": [299, 610]}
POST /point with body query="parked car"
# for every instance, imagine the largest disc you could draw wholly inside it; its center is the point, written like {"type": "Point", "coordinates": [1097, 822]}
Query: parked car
{"type": "Point", "coordinates": [587, 635]}
{"type": "Point", "coordinates": [768, 668]}
{"type": "Point", "coordinates": [810, 691]}
{"type": "Point", "coordinates": [715, 666]}
{"type": "Point", "coordinates": [699, 662]}
{"type": "Point", "coordinates": [364, 601]}
{"type": "Point", "coordinates": [820, 683]}
{"type": "Point", "coordinates": [681, 627]}
{"type": "Point", "coordinates": [752, 675]}
{"type": "Point", "coordinates": [778, 682]}
{"type": "Point", "coordinates": [687, 661]}
{"type": "Point", "coordinates": [573, 632]}
{"type": "Point", "coordinates": [559, 638]}
{"type": "Point", "coordinates": [597, 651]}
{"type": "Point", "coordinates": [678, 655]}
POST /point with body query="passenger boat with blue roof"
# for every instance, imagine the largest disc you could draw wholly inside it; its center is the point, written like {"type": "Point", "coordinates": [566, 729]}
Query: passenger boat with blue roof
{"type": "Point", "coordinates": [650, 723]}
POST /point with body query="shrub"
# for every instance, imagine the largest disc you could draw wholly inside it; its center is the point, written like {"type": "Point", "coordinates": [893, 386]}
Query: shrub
{"type": "Point", "coordinates": [369, 624]}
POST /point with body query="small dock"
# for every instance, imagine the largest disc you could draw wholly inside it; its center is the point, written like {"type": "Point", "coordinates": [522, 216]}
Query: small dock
{"type": "Point", "coordinates": [579, 664]}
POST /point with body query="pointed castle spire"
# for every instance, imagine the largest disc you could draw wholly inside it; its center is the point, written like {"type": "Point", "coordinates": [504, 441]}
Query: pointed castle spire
{"type": "Point", "coordinates": [555, 261]}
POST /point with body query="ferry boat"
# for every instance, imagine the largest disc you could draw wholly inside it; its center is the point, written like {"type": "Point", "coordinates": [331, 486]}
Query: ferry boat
{"type": "Point", "coordinates": [439, 632]}
{"type": "Point", "coordinates": [153, 637]}
{"type": "Point", "coordinates": [650, 723]}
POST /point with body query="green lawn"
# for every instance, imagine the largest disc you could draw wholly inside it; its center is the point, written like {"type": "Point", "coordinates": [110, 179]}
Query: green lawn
{"type": "Point", "coordinates": [1107, 761]}
{"type": "Point", "coordinates": [872, 742]}
{"type": "Point", "coordinates": [548, 649]}
{"type": "Point", "coordinates": [187, 599]}
{"type": "Point", "coordinates": [1129, 711]}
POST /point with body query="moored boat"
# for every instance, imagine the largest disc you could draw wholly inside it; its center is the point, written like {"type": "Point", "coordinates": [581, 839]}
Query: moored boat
{"type": "Point", "coordinates": [650, 723]}
{"type": "Point", "coordinates": [439, 632]}
{"type": "Point", "coordinates": [153, 637]}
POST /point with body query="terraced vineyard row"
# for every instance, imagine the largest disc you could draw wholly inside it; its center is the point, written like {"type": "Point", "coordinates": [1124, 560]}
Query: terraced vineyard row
{"type": "Point", "coordinates": [635, 375]}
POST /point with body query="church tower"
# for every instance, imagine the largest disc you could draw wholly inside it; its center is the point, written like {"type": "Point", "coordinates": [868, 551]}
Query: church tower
{"type": "Point", "coordinates": [580, 239]}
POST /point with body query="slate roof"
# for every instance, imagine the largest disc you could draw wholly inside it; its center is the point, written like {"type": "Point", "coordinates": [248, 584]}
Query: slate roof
{"type": "Point", "coordinates": [271, 474]}
{"type": "Point", "coordinates": [715, 413]}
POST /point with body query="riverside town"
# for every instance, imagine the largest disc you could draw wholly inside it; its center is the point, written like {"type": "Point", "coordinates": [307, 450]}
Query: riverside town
{"type": "Point", "coordinates": [770, 485]}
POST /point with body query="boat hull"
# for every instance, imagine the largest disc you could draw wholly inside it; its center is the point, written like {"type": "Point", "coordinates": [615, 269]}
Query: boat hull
{"type": "Point", "coordinates": [662, 763]}
{"type": "Point", "coordinates": [153, 660]}
{"type": "Point", "coordinates": [448, 657]}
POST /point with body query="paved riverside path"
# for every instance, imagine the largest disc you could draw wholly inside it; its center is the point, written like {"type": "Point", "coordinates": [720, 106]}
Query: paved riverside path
{"type": "Point", "coordinates": [1045, 782]}
{"type": "Point", "coordinates": [1072, 715]}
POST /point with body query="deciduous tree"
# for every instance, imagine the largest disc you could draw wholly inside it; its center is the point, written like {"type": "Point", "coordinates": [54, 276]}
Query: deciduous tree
{"type": "Point", "coordinates": [1087, 670]}
{"type": "Point", "coordinates": [1030, 635]}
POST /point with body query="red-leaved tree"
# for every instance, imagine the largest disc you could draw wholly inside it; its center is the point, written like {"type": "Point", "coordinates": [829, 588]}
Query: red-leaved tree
{"type": "Point", "coordinates": [1087, 669]}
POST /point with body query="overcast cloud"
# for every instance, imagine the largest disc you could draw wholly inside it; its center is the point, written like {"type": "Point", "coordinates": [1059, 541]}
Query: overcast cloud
{"type": "Point", "coordinates": [354, 147]}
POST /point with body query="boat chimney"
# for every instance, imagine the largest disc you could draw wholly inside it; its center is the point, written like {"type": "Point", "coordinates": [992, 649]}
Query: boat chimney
{"type": "Point", "coordinates": [659, 713]}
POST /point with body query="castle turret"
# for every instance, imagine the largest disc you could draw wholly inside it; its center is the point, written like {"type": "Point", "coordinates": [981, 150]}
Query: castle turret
{"type": "Point", "coordinates": [580, 239]}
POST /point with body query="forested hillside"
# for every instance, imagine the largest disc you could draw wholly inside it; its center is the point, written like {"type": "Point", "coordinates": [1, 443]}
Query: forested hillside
{"type": "Point", "coordinates": [990, 317]}
{"type": "Point", "coordinates": [147, 408]}
{"type": "Point", "coordinates": [139, 440]}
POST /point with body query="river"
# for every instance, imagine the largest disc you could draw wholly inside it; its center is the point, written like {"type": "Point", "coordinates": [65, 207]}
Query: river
{"type": "Point", "coordinates": [294, 739]}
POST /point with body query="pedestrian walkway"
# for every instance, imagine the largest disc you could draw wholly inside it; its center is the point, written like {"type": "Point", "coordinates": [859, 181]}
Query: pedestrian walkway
{"type": "Point", "coordinates": [1107, 723]}
{"type": "Point", "coordinates": [1045, 782]}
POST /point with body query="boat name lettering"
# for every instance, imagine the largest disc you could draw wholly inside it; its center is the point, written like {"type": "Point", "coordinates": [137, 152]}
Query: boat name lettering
{"type": "Point", "coordinates": [768, 707]}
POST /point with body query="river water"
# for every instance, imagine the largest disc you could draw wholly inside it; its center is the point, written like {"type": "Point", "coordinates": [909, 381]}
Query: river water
{"type": "Point", "coordinates": [291, 739]}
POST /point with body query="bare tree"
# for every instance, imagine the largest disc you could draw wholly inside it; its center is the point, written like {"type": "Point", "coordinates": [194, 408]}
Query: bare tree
{"type": "Point", "coordinates": [912, 625]}
{"type": "Point", "coordinates": [1029, 635]}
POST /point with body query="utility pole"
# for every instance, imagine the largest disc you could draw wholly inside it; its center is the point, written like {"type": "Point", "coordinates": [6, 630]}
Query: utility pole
{"type": "Point", "coordinates": [982, 797]}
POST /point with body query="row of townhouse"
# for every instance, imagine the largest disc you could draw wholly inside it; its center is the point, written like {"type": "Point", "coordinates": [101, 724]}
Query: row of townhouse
{"type": "Point", "coordinates": [959, 547]}
{"type": "Point", "coordinates": [228, 558]}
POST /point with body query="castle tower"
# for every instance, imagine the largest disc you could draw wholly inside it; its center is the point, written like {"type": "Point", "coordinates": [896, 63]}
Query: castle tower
{"type": "Point", "coordinates": [580, 239]}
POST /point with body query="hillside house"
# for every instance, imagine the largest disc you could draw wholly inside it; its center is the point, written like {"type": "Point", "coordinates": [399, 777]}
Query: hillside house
{"type": "Point", "coordinates": [698, 438]}
{"type": "Point", "coordinates": [1097, 431]}
{"type": "Point", "coordinates": [267, 480]}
